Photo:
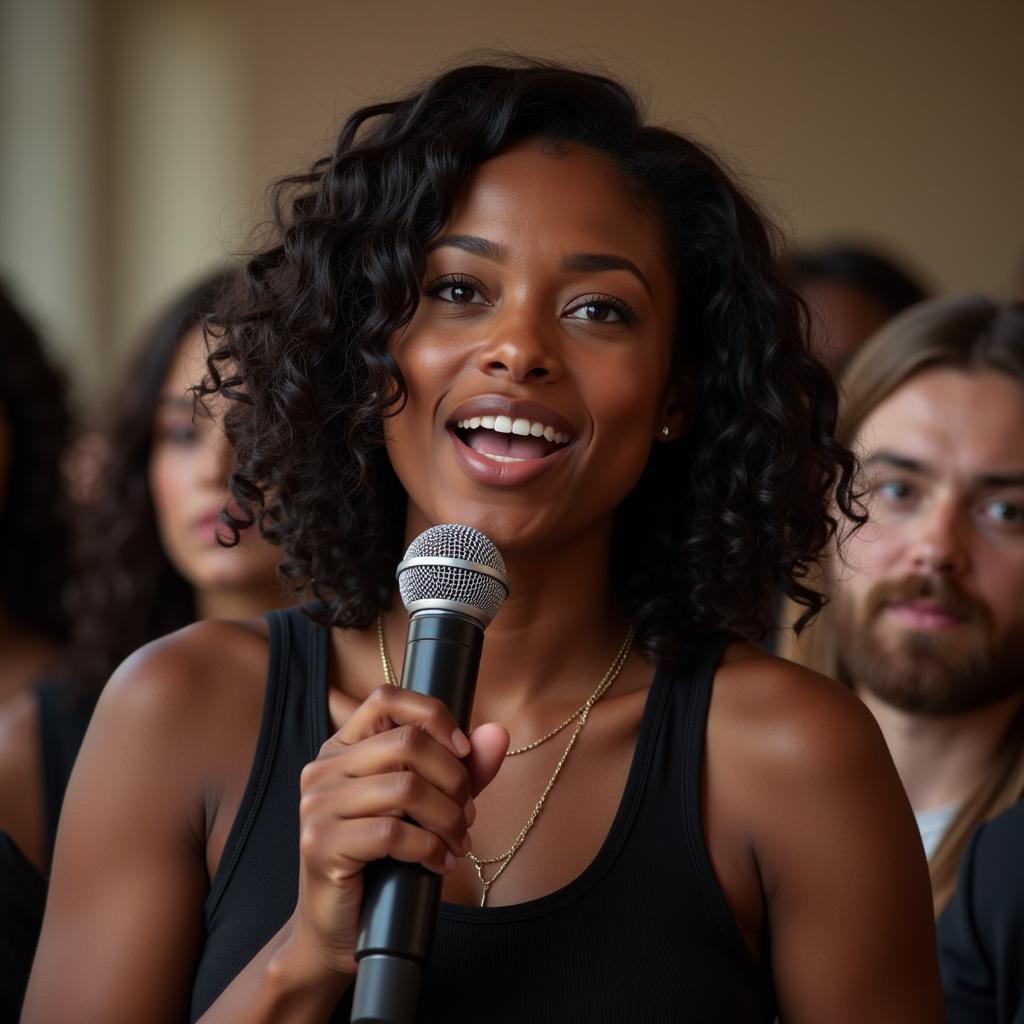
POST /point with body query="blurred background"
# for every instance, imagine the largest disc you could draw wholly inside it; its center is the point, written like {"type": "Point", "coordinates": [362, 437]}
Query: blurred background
{"type": "Point", "coordinates": [138, 137]}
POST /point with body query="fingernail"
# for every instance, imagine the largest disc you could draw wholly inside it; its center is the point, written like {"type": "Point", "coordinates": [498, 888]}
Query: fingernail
{"type": "Point", "coordinates": [470, 811]}
{"type": "Point", "coordinates": [449, 861]}
{"type": "Point", "coordinates": [460, 743]}
{"type": "Point", "coordinates": [467, 844]}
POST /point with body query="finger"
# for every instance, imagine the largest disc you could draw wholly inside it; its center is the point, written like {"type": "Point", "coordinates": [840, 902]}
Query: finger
{"type": "Point", "coordinates": [341, 849]}
{"type": "Point", "coordinates": [389, 706]}
{"type": "Point", "coordinates": [489, 743]}
{"type": "Point", "coordinates": [401, 749]}
{"type": "Point", "coordinates": [397, 794]}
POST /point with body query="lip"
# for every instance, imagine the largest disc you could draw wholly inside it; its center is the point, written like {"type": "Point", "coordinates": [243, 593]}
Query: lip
{"type": "Point", "coordinates": [507, 474]}
{"type": "Point", "coordinates": [500, 405]}
{"type": "Point", "coordinates": [924, 616]}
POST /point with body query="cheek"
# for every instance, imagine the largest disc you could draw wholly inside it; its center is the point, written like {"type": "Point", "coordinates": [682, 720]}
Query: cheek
{"type": "Point", "coordinates": [169, 476]}
{"type": "Point", "coordinates": [999, 578]}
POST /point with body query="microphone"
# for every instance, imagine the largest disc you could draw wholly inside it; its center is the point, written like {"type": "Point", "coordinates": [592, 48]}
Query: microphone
{"type": "Point", "coordinates": [452, 581]}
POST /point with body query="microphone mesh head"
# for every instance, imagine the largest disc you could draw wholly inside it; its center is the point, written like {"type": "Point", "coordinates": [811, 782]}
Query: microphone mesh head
{"type": "Point", "coordinates": [461, 585]}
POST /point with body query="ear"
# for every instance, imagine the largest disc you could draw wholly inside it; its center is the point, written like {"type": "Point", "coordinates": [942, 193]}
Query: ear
{"type": "Point", "coordinates": [676, 410]}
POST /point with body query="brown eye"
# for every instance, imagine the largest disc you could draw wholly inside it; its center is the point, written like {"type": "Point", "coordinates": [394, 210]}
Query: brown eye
{"type": "Point", "coordinates": [456, 292]}
{"type": "Point", "coordinates": [600, 310]}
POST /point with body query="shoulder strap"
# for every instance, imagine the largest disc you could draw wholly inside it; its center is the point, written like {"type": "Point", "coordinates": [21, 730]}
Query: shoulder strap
{"type": "Point", "coordinates": [63, 718]}
{"type": "Point", "coordinates": [696, 686]}
{"type": "Point", "coordinates": [291, 636]}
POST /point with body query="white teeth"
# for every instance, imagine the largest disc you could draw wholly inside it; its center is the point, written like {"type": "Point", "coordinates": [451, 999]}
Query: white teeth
{"type": "Point", "coordinates": [521, 426]}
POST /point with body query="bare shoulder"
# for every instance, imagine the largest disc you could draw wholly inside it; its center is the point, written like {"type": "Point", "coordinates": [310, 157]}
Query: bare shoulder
{"type": "Point", "coordinates": [181, 677]}
{"type": "Point", "coordinates": [785, 718]}
{"type": "Point", "coordinates": [799, 777]}
{"type": "Point", "coordinates": [193, 698]}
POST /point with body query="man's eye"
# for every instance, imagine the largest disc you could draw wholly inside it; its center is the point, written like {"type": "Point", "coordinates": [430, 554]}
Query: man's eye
{"type": "Point", "coordinates": [894, 490]}
{"type": "Point", "coordinates": [1004, 513]}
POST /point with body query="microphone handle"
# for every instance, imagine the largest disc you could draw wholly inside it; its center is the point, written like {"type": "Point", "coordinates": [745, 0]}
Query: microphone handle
{"type": "Point", "coordinates": [400, 901]}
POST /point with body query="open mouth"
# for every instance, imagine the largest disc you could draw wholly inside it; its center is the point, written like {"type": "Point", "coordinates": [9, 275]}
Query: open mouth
{"type": "Point", "coordinates": [504, 439]}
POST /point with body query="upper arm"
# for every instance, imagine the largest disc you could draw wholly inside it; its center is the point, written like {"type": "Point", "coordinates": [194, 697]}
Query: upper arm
{"type": "Point", "coordinates": [123, 917]}
{"type": "Point", "coordinates": [844, 875]}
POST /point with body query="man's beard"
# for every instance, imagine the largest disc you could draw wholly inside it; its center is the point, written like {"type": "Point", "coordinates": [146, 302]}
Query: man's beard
{"type": "Point", "coordinates": [940, 672]}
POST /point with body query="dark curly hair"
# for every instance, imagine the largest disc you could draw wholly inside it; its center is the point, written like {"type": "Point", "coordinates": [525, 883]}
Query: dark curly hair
{"type": "Point", "coordinates": [35, 517]}
{"type": "Point", "coordinates": [127, 591]}
{"type": "Point", "coordinates": [718, 524]}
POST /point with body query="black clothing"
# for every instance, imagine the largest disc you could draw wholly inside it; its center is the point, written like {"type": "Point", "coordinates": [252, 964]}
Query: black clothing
{"type": "Point", "coordinates": [62, 722]}
{"type": "Point", "coordinates": [22, 898]}
{"type": "Point", "coordinates": [644, 933]}
{"type": "Point", "coordinates": [981, 932]}
{"type": "Point", "coordinates": [63, 718]}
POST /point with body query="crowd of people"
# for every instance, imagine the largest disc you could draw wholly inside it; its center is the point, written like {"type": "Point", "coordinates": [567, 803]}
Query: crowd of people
{"type": "Point", "coordinates": [748, 737]}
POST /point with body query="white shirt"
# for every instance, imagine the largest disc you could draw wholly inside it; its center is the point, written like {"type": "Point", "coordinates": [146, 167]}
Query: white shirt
{"type": "Point", "coordinates": [933, 824]}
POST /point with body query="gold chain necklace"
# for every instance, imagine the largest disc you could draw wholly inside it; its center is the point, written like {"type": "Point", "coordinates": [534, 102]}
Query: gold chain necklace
{"type": "Point", "coordinates": [582, 713]}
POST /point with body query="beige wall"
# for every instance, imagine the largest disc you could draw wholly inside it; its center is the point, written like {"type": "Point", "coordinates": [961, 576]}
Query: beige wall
{"type": "Point", "coordinates": [893, 122]}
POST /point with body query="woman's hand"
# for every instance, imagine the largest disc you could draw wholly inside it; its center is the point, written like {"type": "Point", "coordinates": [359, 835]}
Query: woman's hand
{"type": "Point", "coordinates": [397, 780]}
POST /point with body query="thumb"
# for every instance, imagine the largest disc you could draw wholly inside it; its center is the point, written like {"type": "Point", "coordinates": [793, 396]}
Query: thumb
{"type": "Point", "coordinates": [488, 744]}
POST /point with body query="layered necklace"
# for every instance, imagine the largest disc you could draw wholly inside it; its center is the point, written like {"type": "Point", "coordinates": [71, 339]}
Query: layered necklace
{"type": "Point", "coordinates": [579, 716]}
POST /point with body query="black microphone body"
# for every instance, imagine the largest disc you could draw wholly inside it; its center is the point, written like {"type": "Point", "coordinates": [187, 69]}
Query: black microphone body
{"type": "Point", "coordinates": [401, 901]}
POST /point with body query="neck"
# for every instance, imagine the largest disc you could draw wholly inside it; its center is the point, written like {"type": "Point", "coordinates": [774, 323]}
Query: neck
{"type": "Point", "coordinates": [554, 638]}
{"type": "Point", "coordinates": [246, 602]}
{"type": "Point", "coordinates": [942, 759]}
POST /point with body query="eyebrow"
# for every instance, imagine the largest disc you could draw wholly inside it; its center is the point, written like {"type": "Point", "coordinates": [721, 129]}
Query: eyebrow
{"type": "Point", "coordinates": [587, 261]}
{"type": "Point", "coordinates": [576, 262]}
{"type": "Point", "coordinates": [474, 245]}
{"type": "Point", "coordinates": [175, 402]}
{"type": "Point", "coordinates": [916, 466]}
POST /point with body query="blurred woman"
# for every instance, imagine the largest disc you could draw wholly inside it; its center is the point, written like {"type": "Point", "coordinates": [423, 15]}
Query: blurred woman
{"type": "Point", "coordinates": [35, 428]}
{"type": "Point", "coordinates": [150, 564]}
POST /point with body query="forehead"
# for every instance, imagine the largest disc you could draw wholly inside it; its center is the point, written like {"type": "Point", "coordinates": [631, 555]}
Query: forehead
{"type": "Point", "coordinates": [968, 422]}
{"type": "Point", "coordinates": [562, 196]}
{"type": "Point", "coordinates": [188, 365]}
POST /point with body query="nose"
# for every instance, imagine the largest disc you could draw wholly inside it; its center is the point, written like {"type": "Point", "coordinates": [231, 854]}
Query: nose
{"type": "Point", "coordinates": [941, 547]}
{"type": "Point", "coordinates": [520, 346]}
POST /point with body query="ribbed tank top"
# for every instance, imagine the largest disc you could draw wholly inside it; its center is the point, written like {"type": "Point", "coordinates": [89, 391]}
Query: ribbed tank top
{"type": "Point", "coordinates": [643, 934]}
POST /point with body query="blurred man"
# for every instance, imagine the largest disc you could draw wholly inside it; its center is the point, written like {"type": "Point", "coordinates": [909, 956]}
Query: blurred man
{"type": "Point", "coordinates": [851, 291]}
{"type": "Point", "coordinates": [927, 618]}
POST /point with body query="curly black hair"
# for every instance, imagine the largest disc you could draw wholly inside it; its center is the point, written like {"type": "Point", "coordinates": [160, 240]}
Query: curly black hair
{"type": "Point", "coordinates": [718, 524]}
{"type": "Point", "coordinates": [127, 592]}
{"type": "Point", "coordinates": [35, 512]}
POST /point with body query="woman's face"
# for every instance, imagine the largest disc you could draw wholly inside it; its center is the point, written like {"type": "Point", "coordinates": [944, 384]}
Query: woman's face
{"type": "Point", "coordinates": [537, 363]}
{"type": "Point", "coordinates": [188, 473]}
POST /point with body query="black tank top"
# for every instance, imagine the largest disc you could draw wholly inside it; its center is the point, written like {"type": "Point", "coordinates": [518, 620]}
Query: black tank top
{"type": "Point", "coordinates": [643, 934]}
